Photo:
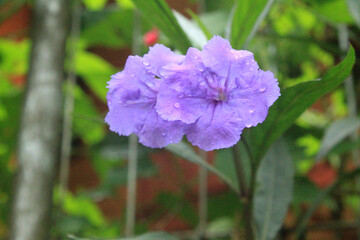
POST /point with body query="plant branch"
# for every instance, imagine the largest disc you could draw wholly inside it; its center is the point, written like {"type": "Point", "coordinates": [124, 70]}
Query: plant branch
{"type": "Point", "coordinates": [245, 195]}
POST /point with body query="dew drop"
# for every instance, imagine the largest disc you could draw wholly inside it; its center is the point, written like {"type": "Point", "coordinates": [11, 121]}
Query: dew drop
{"type": "Point", "coordinates": [150, 84]}
{"type": "Point", "coordinates": [161, 72]}
{"type": "Point", "coordinates": [164, 134]}
{"type": "Point", "coordinates": [181, 95]}
{"type": "Point", "coordinates": [132, 75]}
{"type": "Point", "coordinates": [251, 111]}
{"type": "Point", "coordinates": [176, 105]}
{"type": "Point", "coordinates": [262, 88]}
{"type": "Point", "coordinates": [247, 63]}
{"type": "Point", "coordinates": [248, 125]}
{"type": "Point", "coordinates": [146, 63]}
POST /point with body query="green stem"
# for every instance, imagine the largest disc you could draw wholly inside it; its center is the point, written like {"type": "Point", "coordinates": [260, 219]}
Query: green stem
{"type": "Point", "coordinates": [245, 194]}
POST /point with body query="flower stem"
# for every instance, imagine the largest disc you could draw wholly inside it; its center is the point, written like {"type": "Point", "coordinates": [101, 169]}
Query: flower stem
{"type": "Point", "coordinates": [245, 194]}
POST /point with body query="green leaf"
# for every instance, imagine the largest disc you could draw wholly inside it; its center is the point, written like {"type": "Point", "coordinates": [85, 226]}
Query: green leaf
{"type": "Point", "coordinates": [246, 18]}
{"type": "Point", "coordinates": [88, 124]}
{"type": "Point", "coordinates": [95, 71]}
{"type": "Point", "coordinates": [293, 102]}
{"type": "Point", "coordinates": [158, 12]}
{"type": "Point", "coordinates": [103, 28]}
{"type": "Point", "coordinates": [200, 23]}
{"type": "Point", "coordinates": [94, 4]}
{"type": "Point", "coordinates": [354, 9]}
{"type": "Point", "coordinates": [335, 10]}
{"type": "Point", "coordinates": [194, 33]}
{"type": "Point", "coordinates": [274, 193]}
{"type": "Point", "coordinates": [214, 21]}
{"type": "Point", "coordinates": [185, 151]}
{"type": "Point", "coordinates": [155, 236]}
{"type": "Point", "coordinates": [337, 132]}
{"type": "Point", "coordinates": [127, 4]}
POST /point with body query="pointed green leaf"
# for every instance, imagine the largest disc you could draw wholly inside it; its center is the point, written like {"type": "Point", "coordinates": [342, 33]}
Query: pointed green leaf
{"type": "Point", "coordinates": [200, 23]}
{"type": "Point", "coordinates": [336, 133]}
{"type": "Point", "coordinates": [194, 33]}
{"type": "Point", "coordinates": [293, 102]}
{"type": "Point", "coordinates": [159, 13]}
{"type": "Point", "coordinates": [245, 20]}
{"type": "Point", "coordinates": [274, 193]}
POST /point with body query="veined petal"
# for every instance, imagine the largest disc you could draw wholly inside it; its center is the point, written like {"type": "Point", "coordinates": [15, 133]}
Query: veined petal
{"type": "Point", "coordinates": [218, 127]}
{"type": "Point", "coordinates": [158, 57]}
{"type": "Point", "coordinates": [157, 132]}
{"type": "Point", "coordinates": [174, 105]}
{"type": "Point", "coordinates": [125, 119]}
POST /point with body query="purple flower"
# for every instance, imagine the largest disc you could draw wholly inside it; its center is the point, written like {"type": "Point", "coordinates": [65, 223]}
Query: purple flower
{"type": "Point", "coordinates": [218, 92]}
{"type": "Point", "coordinates": [132, 97]}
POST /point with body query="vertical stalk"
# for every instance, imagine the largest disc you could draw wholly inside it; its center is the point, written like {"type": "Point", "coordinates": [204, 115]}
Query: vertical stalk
{"type": "Point", "coordinates": [39, 138]}
{"type": "Point", "coordinates": [351, 102]}
{"type": "Point", "coordinates": [69, 101]}
{"type": "Point", "coordinates": [203, 187]}
{"type": "Point", "coordinates": [133, 148]}
{"type": "Point", "coordinates": [245, 194]}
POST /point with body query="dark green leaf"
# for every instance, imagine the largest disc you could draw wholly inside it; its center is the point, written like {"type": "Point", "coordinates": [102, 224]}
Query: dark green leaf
{"type": "Point", "coordinates": [337, 132]}
{"type": "Point", "coordinates": [247, 15]}
{"type": "Point", "coordinates": [274, 193]}
{"type": "Point", "coordinates": [293, 102]}
{"type": "Point", "coordinates": [158, 12]}
{"type": "Point", "coordinates": [185, 151]}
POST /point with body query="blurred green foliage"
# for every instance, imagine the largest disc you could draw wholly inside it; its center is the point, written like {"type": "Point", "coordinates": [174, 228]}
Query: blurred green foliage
{"type": "Point", "coordinates": [298, 41]}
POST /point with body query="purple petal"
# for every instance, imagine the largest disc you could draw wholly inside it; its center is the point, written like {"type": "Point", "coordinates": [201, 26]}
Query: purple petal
{"type": "Point", "coordinates": [158, 57]}
{"type": "Point", "coordinates": [218, 127]}
{"type": "Point", "coordinates": [130, 98]}
{"type": "Point", "coordinates": [157, 132]}
{"type": "Point", "coordinates": [174, 105]}
{"type": "Point", "coordinates": [253, 101]}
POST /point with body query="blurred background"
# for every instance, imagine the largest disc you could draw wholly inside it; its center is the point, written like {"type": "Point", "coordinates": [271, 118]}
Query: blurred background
{"type": "Point", "coordinates": [299, 40]}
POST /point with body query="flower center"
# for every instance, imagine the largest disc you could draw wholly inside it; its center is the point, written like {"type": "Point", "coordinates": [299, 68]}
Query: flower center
{"type": "Point", "coordinates": [221, 95]}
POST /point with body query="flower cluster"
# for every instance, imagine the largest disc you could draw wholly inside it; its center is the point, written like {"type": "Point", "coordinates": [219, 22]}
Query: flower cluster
{"type": "Point", "coordinates": [210, 96]}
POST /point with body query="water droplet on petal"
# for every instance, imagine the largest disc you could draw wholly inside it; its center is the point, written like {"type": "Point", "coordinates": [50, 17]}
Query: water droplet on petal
{"type": "Point", "coordinates": [181, 95]}
{"type": "Point", "coordinates": [132, 75]}
{"type": "Point", "coordinates": [150, 84]}
{"type": "Point", "coordinates": [247, 63]}
{"type": "Point", "coordinates": [262, 88]}
{"type": "Point", "coordinates": [146, 63]}
{"type": "Point", "coordinates": [161, 72]}
{"type": "Point", "coordinates": [248, 125]}
{"type": "Point", "coordinates": [251, 111]}
{"type": "Point", "coordinates": [176, 105]}
{"type": "Point", "coordinates": [164, 134]}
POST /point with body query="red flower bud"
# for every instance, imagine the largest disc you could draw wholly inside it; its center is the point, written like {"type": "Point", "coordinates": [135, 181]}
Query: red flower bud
{"type": "Point", "coordinates": [151, 37]}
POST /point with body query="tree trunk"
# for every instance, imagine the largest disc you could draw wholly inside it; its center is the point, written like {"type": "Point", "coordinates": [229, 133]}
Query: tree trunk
{"type": "Point", "coordinates": [40, 130]}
